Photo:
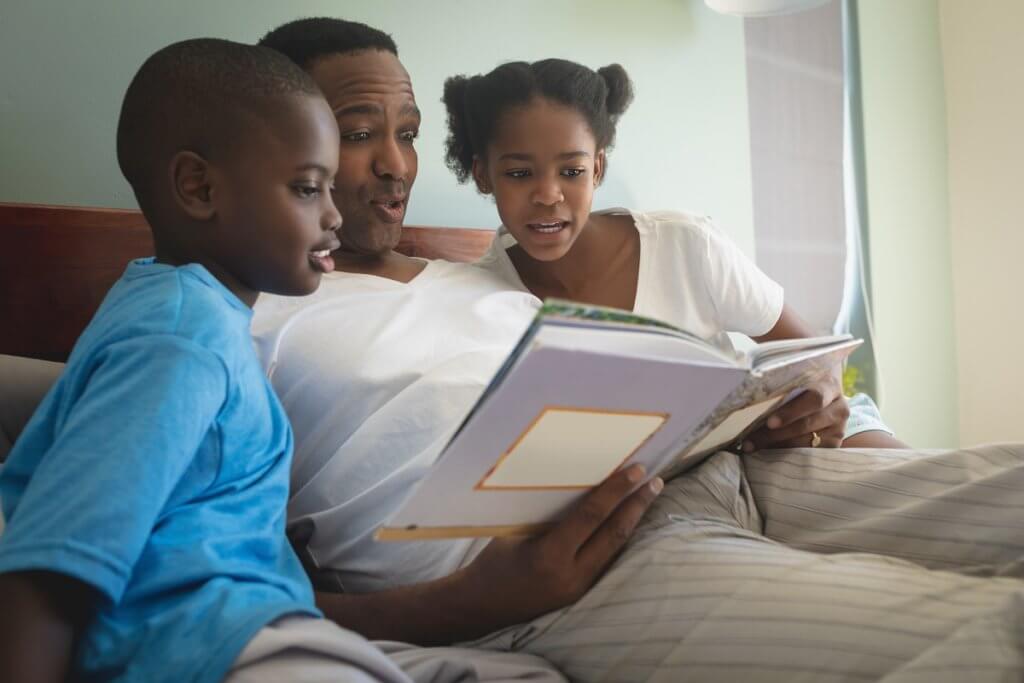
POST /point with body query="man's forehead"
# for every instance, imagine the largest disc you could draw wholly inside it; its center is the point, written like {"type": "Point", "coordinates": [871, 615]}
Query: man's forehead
{"type": "Point", "coordinates": [367, 73]}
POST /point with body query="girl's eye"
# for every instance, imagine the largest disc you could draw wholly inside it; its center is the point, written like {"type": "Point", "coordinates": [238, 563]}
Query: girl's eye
{"type": "Point", "coordinates": [409, 136]}
{"type": "Point", "coordinates": [573, 172]}
{"type": "Point", "coordinates": [356, 137]}
{"type": "Point", "coordinates": [517, 173]}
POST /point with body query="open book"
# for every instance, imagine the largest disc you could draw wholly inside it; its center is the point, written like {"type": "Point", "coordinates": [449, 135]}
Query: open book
{"type": "Point", "coordinates": [586, 391]}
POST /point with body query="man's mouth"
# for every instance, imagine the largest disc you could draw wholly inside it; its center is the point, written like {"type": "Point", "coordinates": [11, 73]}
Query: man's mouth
{"type": "Point", "coordinates": [389, 209]}
{"type": "Point", "coordinates": [549, 226]}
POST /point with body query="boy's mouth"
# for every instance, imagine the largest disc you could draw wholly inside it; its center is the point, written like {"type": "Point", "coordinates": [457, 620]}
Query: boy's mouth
{"type": "Point", "coordinates": [321, 259]}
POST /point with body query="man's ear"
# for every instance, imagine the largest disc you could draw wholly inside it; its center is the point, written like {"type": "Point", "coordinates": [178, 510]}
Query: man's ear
{"type": "Point", "coordinates": [191, 185]}
{"type": "Point", "coordinates": [599, 163]}
{"type": "Point", "coordinates": [480, 176]}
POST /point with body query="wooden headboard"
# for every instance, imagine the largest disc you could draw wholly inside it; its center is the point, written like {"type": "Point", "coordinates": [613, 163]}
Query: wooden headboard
{"type": "Point", "coordinates": [57, 263]}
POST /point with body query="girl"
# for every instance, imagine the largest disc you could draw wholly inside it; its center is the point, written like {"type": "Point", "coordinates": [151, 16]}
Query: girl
{"type": "Point", "coordinates": [536, 137]}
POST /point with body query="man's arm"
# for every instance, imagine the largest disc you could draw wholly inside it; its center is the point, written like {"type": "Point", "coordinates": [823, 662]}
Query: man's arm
{"type": "Point", "coordinates": [512, 581]}
{"type": "Point", "coordinates": [42, 617]}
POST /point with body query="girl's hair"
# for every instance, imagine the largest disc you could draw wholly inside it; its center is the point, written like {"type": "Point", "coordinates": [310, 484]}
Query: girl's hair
{"type": "Point", "coordinates": [475, 104]}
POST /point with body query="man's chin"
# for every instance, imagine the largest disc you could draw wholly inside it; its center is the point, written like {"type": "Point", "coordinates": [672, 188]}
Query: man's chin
{"type": "Point", "coordinates": [381, 238]}
{"type": "Point", "coordinates": [368, 250]}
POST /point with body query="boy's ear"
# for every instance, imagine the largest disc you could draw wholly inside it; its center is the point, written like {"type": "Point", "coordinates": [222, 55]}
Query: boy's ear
{"type": "Point", "coordinates": [192, 185]}
{"type": "Point", "coordinates": [599, 163]}
{"type": "Point", "coordinates": [480, 176]}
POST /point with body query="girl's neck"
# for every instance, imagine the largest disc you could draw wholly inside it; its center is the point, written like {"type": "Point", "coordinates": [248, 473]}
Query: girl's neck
{"type": "Point", "coordinates": [596, 253]}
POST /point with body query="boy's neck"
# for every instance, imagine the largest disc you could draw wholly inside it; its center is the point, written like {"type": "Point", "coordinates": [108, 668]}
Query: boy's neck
{"type": "Point", "coordinates": [174, 257]}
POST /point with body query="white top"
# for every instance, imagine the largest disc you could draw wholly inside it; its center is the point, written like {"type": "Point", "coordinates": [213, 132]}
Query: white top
{"type": "Point", "coordinates": [691, 276]}
{"type": "Point", "coordinates": [375, 376]}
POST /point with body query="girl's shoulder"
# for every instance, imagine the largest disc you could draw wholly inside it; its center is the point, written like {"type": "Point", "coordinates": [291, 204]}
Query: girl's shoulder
{"type": "Point", "coordinates": [671, 224]}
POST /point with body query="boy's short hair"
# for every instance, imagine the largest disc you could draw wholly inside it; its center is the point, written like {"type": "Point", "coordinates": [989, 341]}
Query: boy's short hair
{"type": "Point", "coordinates": [304, 41]}
{"type": "Point", "coordinates": [197, 95]}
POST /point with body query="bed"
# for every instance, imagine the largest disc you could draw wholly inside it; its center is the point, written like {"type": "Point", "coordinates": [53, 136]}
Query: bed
{"type": "Point", "coordinates": [57, 263]}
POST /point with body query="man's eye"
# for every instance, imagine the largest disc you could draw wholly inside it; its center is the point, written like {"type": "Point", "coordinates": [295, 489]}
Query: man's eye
{"type": "Point", "coordinates": [573, 172]}
{"type": "Point", "coordinates": [517, 173]}
{"type": "Point", "coordinates": [356, 137]}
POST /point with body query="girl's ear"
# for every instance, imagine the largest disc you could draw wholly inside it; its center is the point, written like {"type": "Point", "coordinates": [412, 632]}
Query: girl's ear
{"type": "Point", "coordinates": [192, 186]}
{"type": "Point", "coordinates": [480, 176]}
{"type": "Point", "coordinates": [599, 163]}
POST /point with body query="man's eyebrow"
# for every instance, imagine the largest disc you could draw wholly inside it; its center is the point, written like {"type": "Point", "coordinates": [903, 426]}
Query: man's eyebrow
{"type": "Point", "coordinates": [357, 109]}
{"type": "Point", "coordinates": [410, 109]}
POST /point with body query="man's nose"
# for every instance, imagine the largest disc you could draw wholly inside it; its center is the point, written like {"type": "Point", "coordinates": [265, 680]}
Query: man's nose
{"type": "Point", "coordinates": [390, 161]}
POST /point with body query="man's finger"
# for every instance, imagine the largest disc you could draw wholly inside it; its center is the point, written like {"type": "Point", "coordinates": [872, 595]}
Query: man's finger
{"type": "Point", "coordinates": [807, 403]}
{"type": "Point", "coordinates": [607, 541]}
{"type": "Point", "coordinates": [818, 422]}
{"type": "Point", "coordinates": [590, 514]}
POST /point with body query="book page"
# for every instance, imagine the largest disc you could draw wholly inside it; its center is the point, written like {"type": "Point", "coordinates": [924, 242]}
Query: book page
{"type": "Point", "coordinates": [729, 430]}
{"type": "Point", "coordinates": [572, 448]}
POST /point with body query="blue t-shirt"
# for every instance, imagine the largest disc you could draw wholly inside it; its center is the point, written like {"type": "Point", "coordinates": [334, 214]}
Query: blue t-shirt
{"type": "Point", "coordinates": [156, 470]}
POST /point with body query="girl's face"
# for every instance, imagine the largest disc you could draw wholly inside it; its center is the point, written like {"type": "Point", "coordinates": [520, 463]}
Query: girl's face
{"type": "Point", "coordinates": [542, 167]}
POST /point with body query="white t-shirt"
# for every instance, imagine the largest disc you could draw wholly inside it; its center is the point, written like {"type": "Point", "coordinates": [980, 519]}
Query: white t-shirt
{"type": "Point", "coordinates": [690, 275]}
{"type": "Point", "coordinates": [375, 376]}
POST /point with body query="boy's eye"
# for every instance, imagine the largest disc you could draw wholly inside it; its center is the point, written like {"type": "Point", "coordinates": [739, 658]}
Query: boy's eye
{"type": "Point", "coordinates": [306, 191]}
{"type": "Point", "coordinates": [517, 173]}
{"type": "Point", "coordinates": [359, 136]}
{"type": "Point", "coordinates": [573, 172]}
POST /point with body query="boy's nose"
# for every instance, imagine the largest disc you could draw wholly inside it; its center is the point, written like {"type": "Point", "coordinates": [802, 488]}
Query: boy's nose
{"type": "Point", "coordinates": [331, 220]}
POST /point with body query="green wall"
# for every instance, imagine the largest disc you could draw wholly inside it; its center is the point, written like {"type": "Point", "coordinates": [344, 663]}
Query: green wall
{"type": "Point", "coordinates": [904, 105]}
{"type": "Point", "coordinates": [684, 144]}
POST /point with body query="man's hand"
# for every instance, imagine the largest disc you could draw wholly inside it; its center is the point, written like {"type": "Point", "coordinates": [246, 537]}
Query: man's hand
{"type": "Point", "coordinates": [522, 578]}
{"type": "Point", "coordinates": [821, 409]}
{"type": "Point", "coordinates": [513, 580]}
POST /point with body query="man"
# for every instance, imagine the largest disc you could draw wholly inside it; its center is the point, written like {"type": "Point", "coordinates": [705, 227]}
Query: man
{"type": "Point", "coordinates": [369, 90]}
{"type": "Point", "coordinates": [378, 367]}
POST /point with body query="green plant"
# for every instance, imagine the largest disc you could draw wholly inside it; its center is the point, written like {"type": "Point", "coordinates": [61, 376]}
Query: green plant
{"type": "Point", "coordinates": [851, 379]}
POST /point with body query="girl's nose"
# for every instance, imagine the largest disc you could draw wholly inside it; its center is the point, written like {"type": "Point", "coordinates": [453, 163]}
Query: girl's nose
{"type": "Point", "coordinates": [548, 193]}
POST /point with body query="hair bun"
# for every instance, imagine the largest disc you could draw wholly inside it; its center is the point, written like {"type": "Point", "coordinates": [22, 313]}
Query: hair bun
{"type": "Point", "coordinates": [620, 88]}
{"type": "Point", "coordinates": [459, 150]}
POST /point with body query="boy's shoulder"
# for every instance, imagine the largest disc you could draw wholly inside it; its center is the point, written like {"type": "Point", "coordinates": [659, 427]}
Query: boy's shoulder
{"type": "Point", "coordinates": [155, 299]}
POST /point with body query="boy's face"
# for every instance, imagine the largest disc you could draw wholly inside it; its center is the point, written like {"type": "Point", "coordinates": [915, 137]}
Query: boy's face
{"type": "Point", "coordinates": [371, 96]}
{"type": "Point", "coordinates": [275, 219]}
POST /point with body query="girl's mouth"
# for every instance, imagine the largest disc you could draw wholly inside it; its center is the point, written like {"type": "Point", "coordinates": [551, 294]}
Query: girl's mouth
{"type": "Point", "coordinates": [548, 227]}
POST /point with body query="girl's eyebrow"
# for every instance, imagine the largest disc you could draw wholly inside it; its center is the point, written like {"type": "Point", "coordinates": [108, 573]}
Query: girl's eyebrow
{"type": "Point", "coordinates": [516, 156]}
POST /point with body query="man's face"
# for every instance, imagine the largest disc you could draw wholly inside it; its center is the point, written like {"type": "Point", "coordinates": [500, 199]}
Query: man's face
{"type": "Point", "coordinates": [378, 121]}
{"type": "Point", "coordinates": [273, 201]}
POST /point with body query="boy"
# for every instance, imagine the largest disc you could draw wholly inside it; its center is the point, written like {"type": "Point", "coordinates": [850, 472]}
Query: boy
{"type": "Point", "coordinates": [145, 499]}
